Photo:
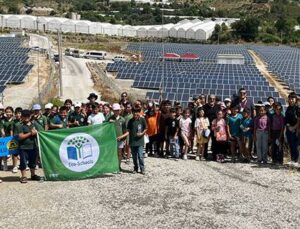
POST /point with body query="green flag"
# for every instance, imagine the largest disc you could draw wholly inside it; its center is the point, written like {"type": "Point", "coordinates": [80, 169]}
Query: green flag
{"type": "Point", "coordinates": [77, 153]}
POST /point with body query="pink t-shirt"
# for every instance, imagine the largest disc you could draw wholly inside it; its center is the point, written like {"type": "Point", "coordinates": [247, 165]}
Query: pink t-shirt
{"type": "Point", "coordinates": [185, 126]}
{"type": "Point", "coordinates": [220, 125]}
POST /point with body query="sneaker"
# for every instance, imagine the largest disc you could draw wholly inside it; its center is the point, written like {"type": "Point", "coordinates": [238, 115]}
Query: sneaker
{"type": "Point", "coordinates": [176, 159]}
{"type": "Point", "coordinates": [290, 163]}
{"type": "Point", "coordinates": [15, 169]}
{"type": "Point", "coordinates": [36, 167]}
{"type": "Point", "coordinates": [27, 168]}
{"type": "Point", "coordinates": [5, 167]}
{"type": "Point", "coordinates": [36, 178]}
{"type": "Point", "coordinates": [197, 158]}
{"type": "Point", "coordinates": [184, 157]}
{"type": "Point", "coordinates": [145, 155]}
{"type": "Point", "coordinates": [296, 165]}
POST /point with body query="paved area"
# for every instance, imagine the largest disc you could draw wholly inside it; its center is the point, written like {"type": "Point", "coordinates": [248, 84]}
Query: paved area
{"type": "Point", "coordinates": [183, 194]}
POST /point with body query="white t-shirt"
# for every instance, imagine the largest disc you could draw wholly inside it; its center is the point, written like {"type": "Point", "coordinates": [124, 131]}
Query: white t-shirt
{"type": "Point", "coordinates": [94, 119]}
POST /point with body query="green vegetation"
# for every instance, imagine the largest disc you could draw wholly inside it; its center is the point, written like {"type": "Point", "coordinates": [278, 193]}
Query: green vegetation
{"type": "Point", "coordinates": [261, 20]}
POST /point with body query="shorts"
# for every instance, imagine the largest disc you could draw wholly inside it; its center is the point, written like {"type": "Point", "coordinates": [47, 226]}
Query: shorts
{"type": "Point", "coordinates": [202, 140]}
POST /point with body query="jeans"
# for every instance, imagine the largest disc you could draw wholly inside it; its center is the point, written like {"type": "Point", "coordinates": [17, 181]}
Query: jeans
{"type": "Point", "coordinates": [277, 152]}
{"type": "Point", "coordinates": [293, 140]}
{"type": "Point", "coordinates": [262, 145]}
{"type": "Point", "coordinates": [174, 147]}
{"type": "Point", "coordinates": [138, 157]}
{"type": "Point", "coordinates": [27, 155]}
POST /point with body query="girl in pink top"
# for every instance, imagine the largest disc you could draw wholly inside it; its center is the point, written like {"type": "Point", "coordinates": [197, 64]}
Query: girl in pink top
{"type": "Point", "coordinates": [186, 131]}
{"type": "Point", "coordinates": [219, 128]}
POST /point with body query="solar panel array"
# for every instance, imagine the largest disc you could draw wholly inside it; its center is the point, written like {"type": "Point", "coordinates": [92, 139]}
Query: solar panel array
{"type": "Point", "coordinates": [284, 61]}
{"type": "Point", "coordinates": [13, 57]}
{"type": "Point", "coordinates": [183, 80]}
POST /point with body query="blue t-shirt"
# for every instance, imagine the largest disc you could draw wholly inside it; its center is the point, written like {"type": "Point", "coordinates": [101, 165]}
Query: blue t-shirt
{"type": "Point", "coordinates": [247, 123]}
{"type": "Point", "coordinates": [234, 123]}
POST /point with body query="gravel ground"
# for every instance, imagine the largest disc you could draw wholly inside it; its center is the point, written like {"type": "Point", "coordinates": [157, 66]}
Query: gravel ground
{"type": "Point", "coordinates": [183, 194]}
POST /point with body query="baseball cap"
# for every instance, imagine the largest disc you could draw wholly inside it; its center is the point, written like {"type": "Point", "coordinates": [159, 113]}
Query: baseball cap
{"type": "Point", "coordinates": [77, 104]}
{"type": "Point", "coordinates": [227, 100]}
{"type": "Point", "coordinates": [36, 107]}
{"type": "Point", "coordinates": [48, 106]}
{"type": "Point", "coordinates": [116, 107]}
{"type": "Point", "coordinates": [267, 104]}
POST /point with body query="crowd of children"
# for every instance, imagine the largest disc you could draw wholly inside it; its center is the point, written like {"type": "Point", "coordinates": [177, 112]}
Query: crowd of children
{"type": "Point", "coordinates": [231, 129]}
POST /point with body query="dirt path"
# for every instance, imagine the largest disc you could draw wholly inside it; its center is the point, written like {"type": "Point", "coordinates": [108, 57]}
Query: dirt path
{"type": "Point", "coordinates": [272, 78]}
{"type": "Point", "coordinates": [183, 194]}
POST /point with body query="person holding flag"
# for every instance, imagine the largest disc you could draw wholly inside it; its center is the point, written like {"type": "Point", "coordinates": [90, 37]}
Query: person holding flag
{"type": "Point", "coordinates": [120, 126]}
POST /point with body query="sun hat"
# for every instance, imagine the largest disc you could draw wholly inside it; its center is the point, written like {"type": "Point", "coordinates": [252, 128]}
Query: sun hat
{"type": "Point", "coordinates": [36, 107]}
{"type": "Point", "coordinates": [92, 95]}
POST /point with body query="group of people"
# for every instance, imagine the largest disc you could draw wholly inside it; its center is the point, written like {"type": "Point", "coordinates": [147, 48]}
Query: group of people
{"type": "Point", "coordinates": [234, 129]}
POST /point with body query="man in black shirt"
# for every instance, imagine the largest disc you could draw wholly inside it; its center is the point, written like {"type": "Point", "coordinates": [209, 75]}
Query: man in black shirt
{"type": "Point", "coordinates": [211, 109]}
{"type": "Point", "coordinates": [244, 102]}
{"type": "Point", "coordinates": [292, 116]}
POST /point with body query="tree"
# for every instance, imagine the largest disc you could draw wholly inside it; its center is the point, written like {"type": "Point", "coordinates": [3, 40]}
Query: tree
{"type": "Point", "coordinates": [246, 29]}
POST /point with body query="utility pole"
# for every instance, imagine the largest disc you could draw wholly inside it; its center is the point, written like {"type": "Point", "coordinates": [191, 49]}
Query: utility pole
{"type": "Point", "coordinates": [60, 63]}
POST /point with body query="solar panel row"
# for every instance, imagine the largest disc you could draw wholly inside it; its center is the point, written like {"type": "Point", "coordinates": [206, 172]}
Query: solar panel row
{"type": "Point", "coordinates": [182, 80]}
{"type": "Point", "coordinates": [13, 57]}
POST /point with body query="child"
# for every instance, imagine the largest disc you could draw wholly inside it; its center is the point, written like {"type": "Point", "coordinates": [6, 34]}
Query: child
{"type": "Point", "coordinates": [277, 134]}
{"type": "Point", "coordinates": [219, 128]}
{"type": "Point", "coordinates": [201, 127]}
{"type": "Point", "coordinates": [234, 121]}
{"type": "Point", "coordinates": [28, 146]}
{"type": "Point", "coordinates": [247, 134]}
{"type": "Point", "coordinates": [171, 133]}
{"type": "Point", "coordinates": [262, 135]}
{"type": "Point", "coordinates": [186, 131]}
{"type": "Point", "coordinates": [7, 127]}
{"type": "Point", "coordinates": [60, 121]}
{"type": "Point", "coordinates": [120, 125]}
{"type": "Point", "coordinates": [137, 128]}
{"type": "Point", "coordinates": [96, 117]}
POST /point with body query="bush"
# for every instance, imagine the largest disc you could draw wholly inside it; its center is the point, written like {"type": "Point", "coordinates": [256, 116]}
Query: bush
{"type": "Point", "coordinates": [269, 38]}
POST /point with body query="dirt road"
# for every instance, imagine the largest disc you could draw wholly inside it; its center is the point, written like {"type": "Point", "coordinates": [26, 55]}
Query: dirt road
{"type": "Point", "coordinates": [77, 82]}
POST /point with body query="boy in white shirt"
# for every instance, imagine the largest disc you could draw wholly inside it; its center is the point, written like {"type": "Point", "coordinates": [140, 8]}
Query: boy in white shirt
{"type": "Point", "coordinates": [96, 117]}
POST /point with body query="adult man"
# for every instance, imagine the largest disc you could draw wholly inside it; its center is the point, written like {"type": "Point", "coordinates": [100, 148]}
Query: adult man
{"type": "Point", "coordinates": [137, 128]}
{"type": "Point", "coordinates": [92, 99]}
{"type": "Point", "coordinates": [292, 116]}
{"type": "Point", "coordinates": [211, 109]}
{"type": "Point", "coordinates": [243, 102]}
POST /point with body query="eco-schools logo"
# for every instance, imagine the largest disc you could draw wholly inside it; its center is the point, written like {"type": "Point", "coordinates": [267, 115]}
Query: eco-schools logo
{"type": "Point", "coordinates": [79, 152]}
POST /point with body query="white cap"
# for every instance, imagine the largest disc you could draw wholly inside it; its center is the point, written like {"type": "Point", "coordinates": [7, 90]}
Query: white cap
{"type": "Point", "coordinates": [48, 106]}
{"type": "Point", "coordinates": [77, 104]}
{"type": "Point", "coordinates": [267, 104]}
{"type": "Point", "coordinates": [227, 100]}
{"type": "Point", "coordinates": [36, 107]}
{"type": "Point", "coordinates": [116, 107]}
